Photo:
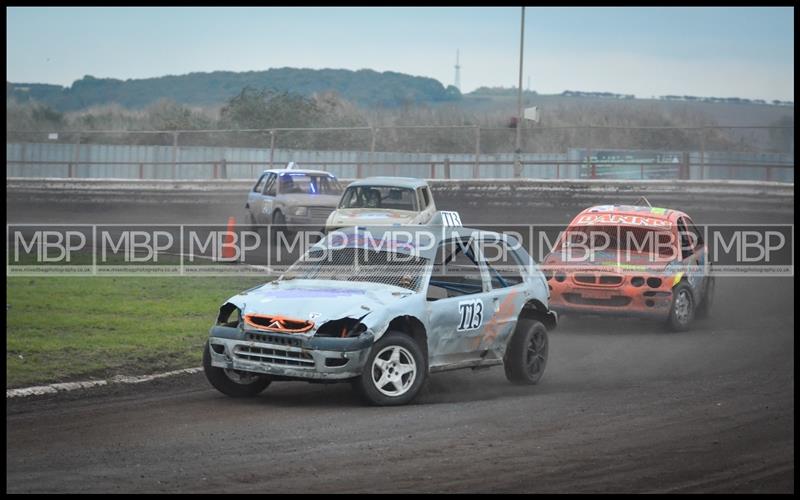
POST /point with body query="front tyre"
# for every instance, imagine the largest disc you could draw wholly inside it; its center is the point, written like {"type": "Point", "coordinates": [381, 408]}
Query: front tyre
{"type": "Point", "coordinates": [394, 371]}
{"type": "Point", "coordinates": [279, 225]}
{"type": "Point", "coordinates": [251, 221]}
{"type": "Point", "coordinates": [681, 313]}
{"type": "Point", "coordinates": [526, 357]}
{"type": "Point", "coordinates": [236, 384]}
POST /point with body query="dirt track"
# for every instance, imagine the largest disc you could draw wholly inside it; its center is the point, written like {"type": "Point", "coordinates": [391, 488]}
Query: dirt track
{"type": "Point", "coordinates": [624, 407]}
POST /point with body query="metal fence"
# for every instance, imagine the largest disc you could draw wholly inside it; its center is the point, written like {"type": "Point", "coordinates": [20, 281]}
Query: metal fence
{"type": "Point", "coordinates": [443, 152]}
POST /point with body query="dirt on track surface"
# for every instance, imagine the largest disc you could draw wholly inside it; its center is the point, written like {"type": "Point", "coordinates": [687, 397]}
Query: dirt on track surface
{"type": "Point", "coordinates": [624, 406]}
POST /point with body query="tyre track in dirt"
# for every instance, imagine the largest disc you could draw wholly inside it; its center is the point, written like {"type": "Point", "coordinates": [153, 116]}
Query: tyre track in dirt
{"type": "Point", "coordinates": [624, 406]}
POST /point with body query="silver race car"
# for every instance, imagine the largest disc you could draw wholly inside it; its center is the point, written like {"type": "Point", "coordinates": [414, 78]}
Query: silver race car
{"type": "Point", "coordinates": [292, 199]}
{"type": "Point", "coordinates": [382, 308]}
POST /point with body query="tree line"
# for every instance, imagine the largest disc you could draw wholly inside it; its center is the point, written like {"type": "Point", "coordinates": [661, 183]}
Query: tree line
{"type": "Point", "coordinates": [564, 125]}
{"type": "Point", "coordinates": [365, 87]}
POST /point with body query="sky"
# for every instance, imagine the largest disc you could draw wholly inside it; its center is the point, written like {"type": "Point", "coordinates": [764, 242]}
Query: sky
{"type": "Point", "coordinates": [715, 51]}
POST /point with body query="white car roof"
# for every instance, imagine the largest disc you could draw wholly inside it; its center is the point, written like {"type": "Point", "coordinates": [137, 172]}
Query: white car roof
{"type": "Point", "coordinates": [296, 171]}
{"type": "Point", "coordinates": [406, 182]}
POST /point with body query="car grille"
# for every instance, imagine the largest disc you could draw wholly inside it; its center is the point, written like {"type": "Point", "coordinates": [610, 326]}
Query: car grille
{"type": "Point", "coordinates": [597, 279]}
{"type": "Point", "coordinates": [319, 215]}
{"type": "Point", "coordinates": [273, 356]}
{"type": "Point", "coordinates": [272, 339]}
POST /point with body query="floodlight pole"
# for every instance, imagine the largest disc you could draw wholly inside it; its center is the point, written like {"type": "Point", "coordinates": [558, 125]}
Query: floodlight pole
{"type": "Point", "coordinates": [518, 149]}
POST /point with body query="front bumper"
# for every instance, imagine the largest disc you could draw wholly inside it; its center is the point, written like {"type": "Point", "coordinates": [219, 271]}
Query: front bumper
{"type": "Point", "coordinates": [289, 356]}
{"type": "Point", "coordinates": [299, 223]}
{"type": "Point", "coordinates": [621, 301]}
{"type": "Point", "coordinates": [313, 220]}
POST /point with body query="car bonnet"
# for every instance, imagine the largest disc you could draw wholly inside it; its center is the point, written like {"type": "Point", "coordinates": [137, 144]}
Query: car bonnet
{"type": "Point", "coordinates": [374, 215]}
{"type": "Point", "coordinates": [317, 301]}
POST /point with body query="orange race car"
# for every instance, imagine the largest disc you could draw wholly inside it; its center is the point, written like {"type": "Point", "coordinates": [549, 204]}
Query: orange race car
{"type": "Point", "coordinates": [631, 260]}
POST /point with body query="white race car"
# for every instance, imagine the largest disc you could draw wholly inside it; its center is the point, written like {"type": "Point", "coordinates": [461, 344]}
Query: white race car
{"type": "Point", "coordinates": [383, 201]}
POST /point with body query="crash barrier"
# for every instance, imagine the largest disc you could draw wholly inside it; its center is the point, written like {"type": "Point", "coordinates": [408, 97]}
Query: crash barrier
{"type": "Point", "coordinates": [431, 151]}
{"type": "Point", "coordinates": [689, 167]}
{"type": "Point", "coordinates": [228, 196]}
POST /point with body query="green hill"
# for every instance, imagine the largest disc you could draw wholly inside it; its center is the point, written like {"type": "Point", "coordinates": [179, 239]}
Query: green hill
{"type": "Point", "coordinates": [366, 87]}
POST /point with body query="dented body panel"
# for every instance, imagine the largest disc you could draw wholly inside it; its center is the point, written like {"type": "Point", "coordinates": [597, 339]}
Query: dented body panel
{"type": "Point", "coordinates": [323, 329]}
{"type": "Point", "coordinates": [627, 279]}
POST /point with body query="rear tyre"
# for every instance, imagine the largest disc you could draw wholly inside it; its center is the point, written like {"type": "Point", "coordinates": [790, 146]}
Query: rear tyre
{"type": "Point", "coordinates": [526, 357]}
{"type": "Point", "coordinates": [704, 309]}
{"type": "Point", "coordinates": [233, 383]}
{"type": "Point", "coordinates": [681, 313]}
{"type": "Point", "coordinates": [394, 371]}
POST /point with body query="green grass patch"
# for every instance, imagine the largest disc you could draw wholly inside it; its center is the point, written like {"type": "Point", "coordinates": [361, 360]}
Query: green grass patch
{"type": "Point", "coordinates": [71, 328]}
{"type": "Point", "coordinates": [84, 258]}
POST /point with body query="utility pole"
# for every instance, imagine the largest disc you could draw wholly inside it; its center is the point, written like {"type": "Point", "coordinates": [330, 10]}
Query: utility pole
{"type": "Point", "coordinates": [457, 83]}
{"type": "Point", "coordinates": [518, 149]}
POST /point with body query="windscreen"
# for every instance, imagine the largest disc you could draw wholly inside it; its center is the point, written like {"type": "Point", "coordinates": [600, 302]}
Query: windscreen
{"type": "Point", "coordinates": [628, 240]}
{"type": "Point", "coordinates": [360, 264]}
{"type": "Point", "coordinates": [303, 183]}
{"type": "Point", "coordinates": [388, 197]}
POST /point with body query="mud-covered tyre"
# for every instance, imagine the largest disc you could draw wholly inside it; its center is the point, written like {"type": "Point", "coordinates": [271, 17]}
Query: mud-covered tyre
{"type": "Point", "coordinates": [526, 356]}
{"type": "Point", "coordinates": [251, 221]}
{"type": "Point", "coordinates": [279, 225]}
{"type": "Point", "coordinates": [394, 371]}
{"type": "Point", "coordinates": [233, 383]}
{"type": "Point", "coordinates": [704, 309]}
{"type": "Point", "coordinates": [682, 310]}
{"type": "Point", "coordinates": [253, 224]}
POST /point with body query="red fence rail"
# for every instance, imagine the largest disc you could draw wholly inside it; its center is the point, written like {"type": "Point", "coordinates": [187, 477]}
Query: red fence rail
{"type": "Point", "coordinates": [593, 170]}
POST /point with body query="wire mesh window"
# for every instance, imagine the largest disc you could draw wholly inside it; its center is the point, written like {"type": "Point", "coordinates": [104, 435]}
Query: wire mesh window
{"type": "Point", "coordinates": [361, 264]}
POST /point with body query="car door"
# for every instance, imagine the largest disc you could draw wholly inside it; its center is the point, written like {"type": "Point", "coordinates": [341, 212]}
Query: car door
{"type": "Point", "coordinates": [458, 306]}
{"type": "Point", "coordinates": [508, 292]}
{"type": "Point", "coordinates": [254, 198]}
{"type": "Point", "coordinates": [695, 260]}
{"type": "Point", "coordinates": [267, 199]}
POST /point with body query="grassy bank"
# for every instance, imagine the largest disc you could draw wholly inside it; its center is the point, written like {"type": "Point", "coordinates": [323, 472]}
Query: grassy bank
{"type": "Point", "coordinates": [70, 328]}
